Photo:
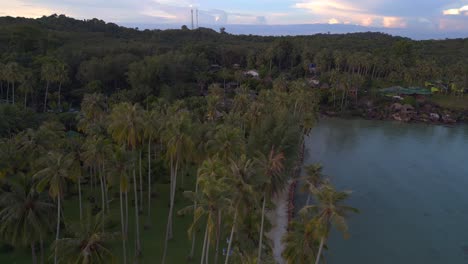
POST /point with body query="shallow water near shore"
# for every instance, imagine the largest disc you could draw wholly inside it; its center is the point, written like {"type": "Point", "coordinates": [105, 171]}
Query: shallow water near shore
{"type": "Point", "coordinates": [410, 182]}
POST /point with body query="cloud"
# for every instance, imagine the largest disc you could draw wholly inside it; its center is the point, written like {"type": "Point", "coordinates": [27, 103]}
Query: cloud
{"type": "Point", "coordinates": [333, 21]}
{"type": "Point", "coordinates": [394, 22]}
{"type": "Point", "coordinates": [456, 11]}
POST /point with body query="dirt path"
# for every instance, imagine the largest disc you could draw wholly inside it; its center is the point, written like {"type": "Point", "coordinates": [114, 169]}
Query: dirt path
{"type": "Point", "coordinates": [279, 222]}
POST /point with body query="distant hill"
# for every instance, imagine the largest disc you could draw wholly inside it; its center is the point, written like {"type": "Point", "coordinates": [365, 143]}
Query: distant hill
{"type": "Point", "coordinates": [311, 29]}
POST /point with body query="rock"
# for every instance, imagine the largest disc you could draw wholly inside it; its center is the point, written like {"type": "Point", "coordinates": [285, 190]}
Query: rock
{"type": "Point", "coordinates": [448, 119]}
{"type": "Point", "coordinates": [434, 117]}
{"type": "Point", "coordinates": [396, 107]}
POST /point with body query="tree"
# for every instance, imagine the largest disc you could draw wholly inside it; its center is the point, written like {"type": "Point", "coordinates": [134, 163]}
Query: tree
{"type": "Point", "coordinates": [300, 241]}
{"type": "Point", "coordinates": [313, 180]}
{"type": "Point", "coordinates": [122, 162]}
{"type": "Point", "coordinates": [152, 130]}
{"type": "Point", "coordinates": [179, 147]}
{"type": "Point", "coordinates": [14, 74]}
{"type": "Point", "coordinates": [329, 211]}
{"type": "Point", "coordinates": [126, 128]}
{"type": "Point", "coordinates": [25, 216]}
{"type": "Point", "coordinates": [271, 166]}
{"type": "Point", "coordinates": [55, 172]}
{"type": "Point", "coordinates": [209, 202]}
{"type": "Point", "coordinates": [48, 74]}
{"type": "Point", "coordinates": [88, 243]}
{"type": "Point", "coordinates": [61, 74]}
{"type": "Point", "coordinates": [240, 176]}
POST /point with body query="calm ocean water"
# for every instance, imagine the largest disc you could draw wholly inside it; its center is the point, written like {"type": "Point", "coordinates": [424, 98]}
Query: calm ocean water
{"type": "Point", "coordinates": [410, 182]}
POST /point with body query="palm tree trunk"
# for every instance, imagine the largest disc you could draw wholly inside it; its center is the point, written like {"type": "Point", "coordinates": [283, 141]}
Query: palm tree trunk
{"type": "Point", "coordinates": [172, 200]}
{"type": "Point", "coordinates": [7, 91]}
{"type": "Point", "coordinates": [141, 184]}
{"type": "Point", "coordinates": [59, 101]}
{"type": "Point", "coordinates": [231, 237]}
{"type": "Point", "coordinates": [57, 233]}
{"type": "Point", "coordinates": [79, 198]}
{"type": "Point", "coordinates": [103, 201]}
{"type": "Point", "coordinates": [41, 244]}
{"type": "Point", "coordinates": [33, 252]}
{"type": "Point", "coordinates": [207, 258]}
{"type": "Point", "coordinates": [171, 207]}
{"type": "Point", "coordinates": [149, 182]}
{"type": "Point", "coordinates": [322, 241]}
{"type": "Point", "coordinates": [126, 213]}
{"type": "Point", "coordinates": [137, 218]}
{"type": "Point", "coordinates": [122, 223]}
{"type": "Point", "coordinates": [218, 237]}
{"type": "Point", "coordinates": [261, 230]}
{"type": "Point", "coordinates": [45, 97]}
{"type": "Point", "coordinates": [308, 199]}
{"type": "Point", "coordinates": [13, 92]}
{"type": "Point", "coordinates": [204, 245]}
{"type": "Point", "coordinates": [192, 251]}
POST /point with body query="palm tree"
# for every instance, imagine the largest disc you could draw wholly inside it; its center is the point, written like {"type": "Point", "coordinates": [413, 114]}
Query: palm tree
{"type": "Point", "coordinates": [92, 119]}
{"type": "Point", "coordinates": [88, 243]}
{"type": "Point", "coordinates": [209, 202]}
{"type": "Point", "coordinates": [27, 86]}
{"type": "Point", "coordinates": [14, 74]}
{"type": "Point", "coordinates": [313, 179]}
{"type": "Point", "coordinates": [122, 162]}
{"type": "Point", "coordinates": [240, 176]}
{"type": "Point", "coordinates": [271, 167]}
{"type": "Point", "coordinates": [179, 146]}
{"type": "Point", "coordinates": [152, 129]}
{"type": "Point", "coordinates": [53, 176]}
{"type": "Point", "coordinates": [96, 149]}
{"type": "Point", "coordinates": [25, 215]}
{"type": "Point", "coordinates": [329, 211]}
{"type": "Point", "coordinates": [228, 142]}
{"type": "Point", "coordinates": [300, 241]}
{"type": "Point", "coordinates": [61, 74]}
{"type": "Point", "coordinates": [48, 75]}
{"type": "Point", "coordinates": [126, 128]}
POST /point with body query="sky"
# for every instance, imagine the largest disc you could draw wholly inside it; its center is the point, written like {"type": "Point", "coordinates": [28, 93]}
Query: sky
{"type": "Point", "coordinates": [412, 15]}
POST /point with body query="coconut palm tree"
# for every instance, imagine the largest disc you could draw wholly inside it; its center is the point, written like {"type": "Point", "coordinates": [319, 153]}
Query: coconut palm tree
{"type": "Point", "coordinates": [300, 241]}
{"type": "Point", "coordinates": [61, 74]}
{"type": "Point", "coordinates": [121, 163]}
{"type": "Point", "coordinates": [210, 200]}
{"type": "Point", "coordinates": [152, 130]}
{"type": "Point", "coordinates": [312, 180]}
{"type": "Point", "coordinates": [48, 74]}
{"type": "Point", "coordinates": [179, 146]}
{"type": "Point", "coordinates": [88, 244]}
{"type": "Point", "coordinates": [329, 212]}
{"type": "Point", "coordinates": [92, 119]}
{"type": "Point", "coordinates": [126, 128]}
{"type": "Point", "coordinates": [228, 142]}
{"type": "Point", "coordinates": [25, 215]}
{"type": "Point", "coordinates": [242, 194]}
{"type": "Point", "coordinates": [14, 74]}
{"type": "Point", "coordinates": [54, 175]}
{"type": "Point", "coordinates": [95, 153]}
{"type": "Point", "coordinates": [271, 166]}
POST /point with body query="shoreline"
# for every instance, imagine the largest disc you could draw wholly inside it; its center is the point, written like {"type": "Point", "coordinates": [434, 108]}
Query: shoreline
{"type": "Point", "coordinates": [281, 217]}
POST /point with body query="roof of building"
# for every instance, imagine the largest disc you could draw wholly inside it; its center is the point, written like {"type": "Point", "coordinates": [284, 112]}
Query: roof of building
{"type": "Point", "coordinates": [408, 91]}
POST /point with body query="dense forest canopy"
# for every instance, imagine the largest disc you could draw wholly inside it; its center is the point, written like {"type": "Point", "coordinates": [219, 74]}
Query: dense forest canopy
{"type": "Point", "coordinates": [49, 63]}
{"type": "Point", "coordinates": [99, 122]}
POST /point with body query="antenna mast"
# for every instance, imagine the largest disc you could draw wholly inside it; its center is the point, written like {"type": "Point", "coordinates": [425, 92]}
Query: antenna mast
{"type": "Point", "coordinates": [191, 10]}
